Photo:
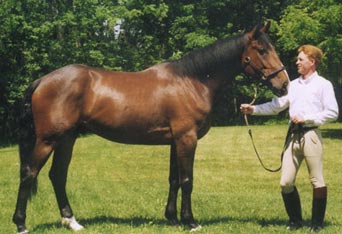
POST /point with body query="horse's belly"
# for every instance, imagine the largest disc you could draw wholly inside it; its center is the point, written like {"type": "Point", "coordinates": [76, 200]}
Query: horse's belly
{"type": "Point", "coordinates": [155, 136]}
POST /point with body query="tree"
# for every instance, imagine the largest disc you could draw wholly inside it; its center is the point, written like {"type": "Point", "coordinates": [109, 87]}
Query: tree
{"type": "Point", "coordinates": [318, 23]}
{"type": "Point", "coordinates": [313, 22]}
{"type": "Point", "coordinates": [39, 36]}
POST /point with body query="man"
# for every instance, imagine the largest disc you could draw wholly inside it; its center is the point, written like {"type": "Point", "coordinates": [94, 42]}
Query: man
{"type": "Point", "coordinates": [311, 102]}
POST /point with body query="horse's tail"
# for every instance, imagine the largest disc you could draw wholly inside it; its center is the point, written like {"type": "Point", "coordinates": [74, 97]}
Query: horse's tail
{"type": "Point", "coordinates": [27, 135]}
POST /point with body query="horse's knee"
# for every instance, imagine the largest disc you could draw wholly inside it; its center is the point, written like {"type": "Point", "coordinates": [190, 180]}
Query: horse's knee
{"type": "Point", "coordinates": [174, 184]}
{"type": "Point", "coordinates": [186, 185]}
{"type": "Point", "coordinates": [28, 181]}
{"type": "Point", "coordinates": [26, 175]}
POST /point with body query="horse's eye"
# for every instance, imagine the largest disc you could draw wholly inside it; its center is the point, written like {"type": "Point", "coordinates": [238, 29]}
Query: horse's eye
{"type": "Point", "coordinates": [262, 51]}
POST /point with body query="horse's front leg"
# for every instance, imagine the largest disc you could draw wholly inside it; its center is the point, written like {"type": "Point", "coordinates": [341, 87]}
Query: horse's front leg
{"type": "Point", "coordinates": [185, 148]}
{"type": "Point", "coordinates": [171, 207]}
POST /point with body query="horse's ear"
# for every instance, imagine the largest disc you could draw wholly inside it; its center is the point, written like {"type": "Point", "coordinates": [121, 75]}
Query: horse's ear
{"type": "Point", "coordinates": [259, 29]}
{"type": "Point", "coordinates": [266, 27]}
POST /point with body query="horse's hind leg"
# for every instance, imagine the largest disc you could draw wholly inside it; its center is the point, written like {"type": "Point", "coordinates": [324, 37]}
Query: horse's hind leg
{"type": "Point", "coordinates": [171, 207]}
{"type": "Point", "coordinates": [58, 176]}
{"type": "Point", "coordinates": [31, 161]}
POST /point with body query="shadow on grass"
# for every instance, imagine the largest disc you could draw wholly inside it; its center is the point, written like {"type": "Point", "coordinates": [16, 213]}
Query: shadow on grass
{"type": "Point", "coordinates": [134, 222]}
{"type": "Point", "coordinates": [272, 222]}
{"type": "Point", "coordinates": [141, 221]}
{"type": "Point", "coordinates": [261, 222]}
{"type": "Point", "coordinates": [332, 133]}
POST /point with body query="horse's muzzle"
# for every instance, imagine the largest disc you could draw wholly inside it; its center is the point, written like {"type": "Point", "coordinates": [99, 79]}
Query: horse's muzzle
{"type": "Point", "coordinates": [282, 91]}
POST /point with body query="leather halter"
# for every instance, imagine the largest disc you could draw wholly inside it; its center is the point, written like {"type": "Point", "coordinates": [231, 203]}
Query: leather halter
{"type": "Point", "coordinates": [259, 71]}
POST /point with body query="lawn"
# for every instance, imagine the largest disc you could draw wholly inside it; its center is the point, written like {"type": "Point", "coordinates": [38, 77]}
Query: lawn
{"type": "Point", "coordinates": [116, 188]}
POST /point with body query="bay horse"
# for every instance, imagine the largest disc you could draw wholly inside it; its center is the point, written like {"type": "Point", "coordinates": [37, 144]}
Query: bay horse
{"type": "Point", "coordinates": [166, 104]}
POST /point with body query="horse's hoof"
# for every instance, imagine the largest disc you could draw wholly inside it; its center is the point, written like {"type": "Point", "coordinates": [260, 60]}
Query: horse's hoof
{"type": "Point", "coordinates": [196, 228]}
{"type": "Point", "coordinates": [192, 224]}
{"type": "Point", "coordinates": [22, 229]}
{"type": "Point", "coordinates": [172, 219]}
{"type": "Point", "coordinates": [173, 222]}
{"type": "Point", "coordinates": [24, 232]}
{"type": "Point", "coordinates": [72, 224]}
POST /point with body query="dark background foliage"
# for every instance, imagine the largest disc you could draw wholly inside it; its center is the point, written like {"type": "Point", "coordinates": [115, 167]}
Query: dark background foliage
{"type": "Point", "coordinates": [39, 36]}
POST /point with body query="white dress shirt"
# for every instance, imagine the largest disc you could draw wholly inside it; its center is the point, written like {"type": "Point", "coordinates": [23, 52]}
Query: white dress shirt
{"type": "Point", "coordinates": [312, 98]}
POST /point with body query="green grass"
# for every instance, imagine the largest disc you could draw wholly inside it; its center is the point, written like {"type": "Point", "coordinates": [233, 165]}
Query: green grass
{"type": "Point", "coordinates": [115, 188]}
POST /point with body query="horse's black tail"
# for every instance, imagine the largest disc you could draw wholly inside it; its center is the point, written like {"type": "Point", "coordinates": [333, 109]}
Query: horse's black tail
{"type": "Point", "coordinates": [27, 135]}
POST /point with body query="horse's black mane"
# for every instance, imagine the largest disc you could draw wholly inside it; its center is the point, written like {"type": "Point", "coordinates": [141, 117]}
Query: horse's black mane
{"type": "Point", "coordinates": [215, 57]}
{"type": "Point", "coordinates": [219, 56]}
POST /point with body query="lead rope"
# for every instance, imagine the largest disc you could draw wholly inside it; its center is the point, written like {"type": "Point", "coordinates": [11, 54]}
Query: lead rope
{"type": "Point", "coordinates": [252, 139]}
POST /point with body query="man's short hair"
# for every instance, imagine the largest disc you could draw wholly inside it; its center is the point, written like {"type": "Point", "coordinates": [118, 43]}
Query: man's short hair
{"type": "Point", "coordinates": [312, 52]}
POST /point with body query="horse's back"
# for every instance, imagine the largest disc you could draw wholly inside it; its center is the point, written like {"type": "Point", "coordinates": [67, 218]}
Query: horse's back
{"type": "Point", "coordinates": [77, 95]}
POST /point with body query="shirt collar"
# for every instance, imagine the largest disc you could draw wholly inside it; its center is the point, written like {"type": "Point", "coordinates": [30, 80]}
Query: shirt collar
{"type": "Point", "coordinates": [309, 79]}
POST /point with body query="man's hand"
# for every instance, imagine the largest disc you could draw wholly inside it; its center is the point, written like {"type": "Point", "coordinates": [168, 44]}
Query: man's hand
{"type": "Point", "coordinates": [298, 119]}
{"type": "Point", "coordinates": [247, 109]}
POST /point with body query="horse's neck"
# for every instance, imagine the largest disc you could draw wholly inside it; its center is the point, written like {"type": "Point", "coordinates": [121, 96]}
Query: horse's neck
{"type": "Point", "coordinates": [224, 75]}
{"type": "Point", "coordinates": [217, 82]}
{"type": "Point", "coordinates": [215, 65]}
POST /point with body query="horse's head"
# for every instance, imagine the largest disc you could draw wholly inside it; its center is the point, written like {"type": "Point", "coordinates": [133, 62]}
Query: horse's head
{"type": "Point", "coordinates": [260, 60]}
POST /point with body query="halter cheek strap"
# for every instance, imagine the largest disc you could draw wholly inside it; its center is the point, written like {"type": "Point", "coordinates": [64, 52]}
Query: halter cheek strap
{"type": "Point", "coordinates": [259, 71]}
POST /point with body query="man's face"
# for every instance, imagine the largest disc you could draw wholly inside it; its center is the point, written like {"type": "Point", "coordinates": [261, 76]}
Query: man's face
{"type": "Point", "coordinates": [304, 64]}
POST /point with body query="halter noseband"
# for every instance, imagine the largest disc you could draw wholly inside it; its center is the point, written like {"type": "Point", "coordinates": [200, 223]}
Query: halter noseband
{"type": "Point", "coordinates": [259, 71]}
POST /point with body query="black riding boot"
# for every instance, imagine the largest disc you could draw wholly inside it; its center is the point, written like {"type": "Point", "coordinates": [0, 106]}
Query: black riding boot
{"type": "Point", "coordinates": [293, 209]}
{"type": "Point", "coordinates": [319, 203]}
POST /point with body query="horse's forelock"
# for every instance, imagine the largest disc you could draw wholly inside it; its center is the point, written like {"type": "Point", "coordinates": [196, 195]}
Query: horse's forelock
{"type": "Point", "coordinates": [265, 41]}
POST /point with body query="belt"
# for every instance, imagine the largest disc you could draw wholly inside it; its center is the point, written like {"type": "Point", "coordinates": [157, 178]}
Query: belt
{"type": "Point", "coordinates": [300, 128]}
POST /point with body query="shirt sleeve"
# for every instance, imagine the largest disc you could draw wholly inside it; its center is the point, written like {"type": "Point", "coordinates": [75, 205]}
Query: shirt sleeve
{"type": "Point", "coordinates": [273, 107]}
{"type": "Point", "coordinates": [329, 111]}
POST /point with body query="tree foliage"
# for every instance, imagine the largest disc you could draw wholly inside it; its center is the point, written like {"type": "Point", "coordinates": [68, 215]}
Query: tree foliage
{"type": "Point", "coordinates": [39, 36]}
{"type": "Point", "coordinates": [318, 23]}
